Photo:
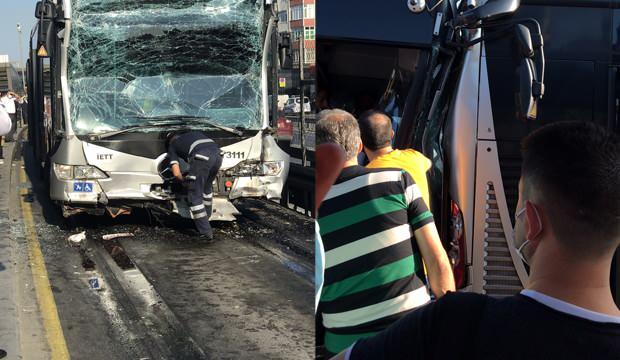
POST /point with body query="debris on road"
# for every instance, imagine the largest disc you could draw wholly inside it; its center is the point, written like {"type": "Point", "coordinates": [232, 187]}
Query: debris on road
{"type": "Point", "coordinates": [115, 236]}
{"type": "Point", "coordinates": [76, 239]}
{"type": "Point", "coordinates": [95, 283]}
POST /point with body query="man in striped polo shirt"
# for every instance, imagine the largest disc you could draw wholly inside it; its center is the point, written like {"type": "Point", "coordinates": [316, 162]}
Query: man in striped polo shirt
{"type": "Point", "coordinates": [375, 228]}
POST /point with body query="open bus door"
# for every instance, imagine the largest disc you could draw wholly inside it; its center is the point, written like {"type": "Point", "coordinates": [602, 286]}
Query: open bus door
{"type": "Point", "coordinates": [45, 109]}
{"type": "Point", "coordinates": [36, 99]}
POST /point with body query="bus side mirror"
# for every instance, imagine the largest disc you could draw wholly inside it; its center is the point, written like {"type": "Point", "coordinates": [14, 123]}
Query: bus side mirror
{"type": "Point", "coordinates": [488, 11]}
{"type": "Point", "coordinates": [45, 46]}
{"type": "Point", "coordinates": [528, 92]}
{"type": "Point", "coordinates": [524, 41]}
{"type": "Point", "coordinates": [44, 10]}
{"type": "Point", "coordinates": [284, 47]}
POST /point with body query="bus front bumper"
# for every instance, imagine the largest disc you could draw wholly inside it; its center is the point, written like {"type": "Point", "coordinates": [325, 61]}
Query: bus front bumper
{"type": "Point", "coordinates": [121, 192]}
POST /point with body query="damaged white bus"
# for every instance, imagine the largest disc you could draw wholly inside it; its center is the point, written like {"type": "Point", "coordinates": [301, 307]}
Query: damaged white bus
{"type": "Point", "coordinates": [125, 73]}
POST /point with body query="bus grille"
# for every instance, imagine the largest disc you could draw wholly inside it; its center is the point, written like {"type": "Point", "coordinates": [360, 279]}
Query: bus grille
{"type": "Point", "coordinates": [500, 276]}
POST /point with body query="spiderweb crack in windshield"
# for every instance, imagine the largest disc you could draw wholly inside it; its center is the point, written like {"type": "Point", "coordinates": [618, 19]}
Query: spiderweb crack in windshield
{"type": "Point", "coordinates": [135, 61]}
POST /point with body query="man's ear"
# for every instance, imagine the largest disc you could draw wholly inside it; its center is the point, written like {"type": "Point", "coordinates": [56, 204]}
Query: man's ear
{"type": "Point", "coordinates": [360, 147]}
{"type": "Point", "coordinates": [392, 134]}
{"type": "Point", "coordinates": [534, 223]}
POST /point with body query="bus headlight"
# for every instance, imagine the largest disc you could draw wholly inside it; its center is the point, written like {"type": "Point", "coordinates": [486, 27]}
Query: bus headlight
{"type": "Point", "coordinates": [63, 172]}
{"type": "Point", "coordinates": [83, 172]}
{"type": "Point", "coordinates": [79, 172]}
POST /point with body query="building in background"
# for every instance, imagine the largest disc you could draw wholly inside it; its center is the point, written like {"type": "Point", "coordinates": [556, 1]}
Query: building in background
{"type": "Point", "coordinates": [302, 23]}
{"type": "Point", "coordinates": [10, 76]}
{"type": "Point", "coordinates": [296, 19]}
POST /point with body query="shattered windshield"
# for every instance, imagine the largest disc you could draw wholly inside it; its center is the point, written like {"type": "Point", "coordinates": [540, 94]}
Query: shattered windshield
{"type": "Point", "coordinates": [134, 61]}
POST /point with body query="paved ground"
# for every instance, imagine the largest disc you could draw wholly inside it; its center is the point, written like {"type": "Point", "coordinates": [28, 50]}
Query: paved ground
{"type": "Point", "coordinates": [247, 295]}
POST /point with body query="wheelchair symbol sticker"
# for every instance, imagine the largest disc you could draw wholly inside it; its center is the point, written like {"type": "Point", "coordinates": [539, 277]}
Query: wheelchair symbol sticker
{"type": "Point", "coordinates": [83, 187]}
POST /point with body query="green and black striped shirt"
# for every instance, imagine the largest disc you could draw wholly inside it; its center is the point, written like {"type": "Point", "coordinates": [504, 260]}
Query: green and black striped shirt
{"type": "Point", "coordinates": [373, 268]}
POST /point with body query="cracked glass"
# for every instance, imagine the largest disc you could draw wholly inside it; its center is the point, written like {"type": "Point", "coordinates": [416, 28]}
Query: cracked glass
{"type": "Point", "coordinates": [141, 63]}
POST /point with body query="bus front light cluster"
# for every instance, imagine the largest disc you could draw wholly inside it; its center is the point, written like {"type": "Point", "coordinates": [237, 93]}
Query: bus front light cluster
{"type": "Point", "coordinates": [272, 168]}
{"type": "Point", "coordinates": [63, 172]}
{"type": "Point", "coordinates": [83, 172]}
{"type": "Point", "coordinates": [78, 172]}
{"type": "Point", "coordinates": [256, 168]}
{"type": "Point", "coordinates": [456, 251]}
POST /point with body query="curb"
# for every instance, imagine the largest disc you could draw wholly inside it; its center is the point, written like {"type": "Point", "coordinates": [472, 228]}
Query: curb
{"type": "Point", "coordinates": [9, 323]}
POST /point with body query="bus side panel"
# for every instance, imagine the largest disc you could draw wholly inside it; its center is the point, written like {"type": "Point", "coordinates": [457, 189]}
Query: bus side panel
{"type": "Point", "coordinates": [580, 82]}
{"type": "Point", "coordinates": [577, 58]}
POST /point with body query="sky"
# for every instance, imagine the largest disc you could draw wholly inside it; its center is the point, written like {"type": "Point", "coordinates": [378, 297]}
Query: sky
{"type": "Point", "coordinates": [11, 13]}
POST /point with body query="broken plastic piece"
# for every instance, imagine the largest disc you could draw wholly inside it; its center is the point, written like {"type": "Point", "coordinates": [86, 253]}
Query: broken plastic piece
{"type": "Point", "coordinates": [115, 236]}
{"type": "Point", "coordinates": [76, 239]}
{"type": "Point", "coordinates": [117, 211]}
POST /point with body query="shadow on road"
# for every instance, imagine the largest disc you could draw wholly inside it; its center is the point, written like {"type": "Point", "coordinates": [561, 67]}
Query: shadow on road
{"type": "Point", "coordinates": [39, 190]}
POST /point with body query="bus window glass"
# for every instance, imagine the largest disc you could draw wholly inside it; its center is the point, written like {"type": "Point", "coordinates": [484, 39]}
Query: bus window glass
{"type": "Point", "coordinates": [132, 63]}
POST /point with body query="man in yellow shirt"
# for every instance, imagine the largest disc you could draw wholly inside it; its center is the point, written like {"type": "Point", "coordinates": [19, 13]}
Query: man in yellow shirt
{"type": "Point", "coordinates": [377, 133]}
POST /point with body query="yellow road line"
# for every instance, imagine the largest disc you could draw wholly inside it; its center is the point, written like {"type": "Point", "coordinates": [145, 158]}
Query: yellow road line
{"type": "Point", "coordinates": [45, 297]}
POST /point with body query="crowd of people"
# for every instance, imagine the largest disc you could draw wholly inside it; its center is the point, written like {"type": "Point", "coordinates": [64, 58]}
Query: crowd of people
{"type": "Point", "coordinates": [9, 104]}
{"type": "Point", "coordinates": [379, 237]}
{"type": "Point", "coordinates": [380, 261]}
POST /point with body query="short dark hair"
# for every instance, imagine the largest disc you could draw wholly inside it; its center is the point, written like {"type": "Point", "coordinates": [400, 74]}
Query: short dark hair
{"type": "Point", "coordinates": [340, 127]}
{"type": "Point", "coordinates": [173, 135]}
{"type": "Point", "coordinates": [574, 168]}
{"type": "Point", "coordinates": [375, 129]}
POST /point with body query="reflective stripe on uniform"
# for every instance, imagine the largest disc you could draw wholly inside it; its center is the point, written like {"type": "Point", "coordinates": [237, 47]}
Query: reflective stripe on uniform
{"type": "Point", "coordinates": [198, 142]}
{"type": "Point", "coordinates": [201, 157]}
{"type": "Point", "coordinates": [173, 162]}
{"type": "Point", "coordinates": [207, 196]}
{"type": "Point", "coordinates": [207, 203]}
{"type": "Point", "coordinates": [199, 215]}
{"type": "Point", "coordinates": [190, 177]}
{"type": "Point", "coordinates": [197, 208]}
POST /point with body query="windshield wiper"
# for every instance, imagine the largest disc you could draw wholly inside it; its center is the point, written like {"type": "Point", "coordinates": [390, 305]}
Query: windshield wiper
{"type": "Point", "coordinates": [198, 120]}
{"type": "Point", "coordinates": [179, 120]}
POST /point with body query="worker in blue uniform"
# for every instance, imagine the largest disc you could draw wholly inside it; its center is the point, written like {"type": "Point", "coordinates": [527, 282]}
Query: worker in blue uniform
{"type": "Point", "coordinates": [204, 159]}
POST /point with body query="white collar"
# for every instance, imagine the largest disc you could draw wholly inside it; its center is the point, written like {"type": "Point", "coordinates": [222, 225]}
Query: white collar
{"type": "Point", "coordinates": [569, 308]}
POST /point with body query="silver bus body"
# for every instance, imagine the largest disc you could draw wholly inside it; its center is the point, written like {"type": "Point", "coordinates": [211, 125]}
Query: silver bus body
{"type": "Point", "coordinates": [128, 180]}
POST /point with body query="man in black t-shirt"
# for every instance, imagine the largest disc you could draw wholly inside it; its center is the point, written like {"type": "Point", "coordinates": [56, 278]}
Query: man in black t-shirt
{"type": "Point", "coordinates": [567, 228]}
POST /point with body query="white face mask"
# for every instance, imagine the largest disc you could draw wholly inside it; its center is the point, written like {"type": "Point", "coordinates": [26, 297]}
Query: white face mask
{"type": "Point", "coordinates": [514, 236]}
{"type": "Point", "coordinates": [527, 241]}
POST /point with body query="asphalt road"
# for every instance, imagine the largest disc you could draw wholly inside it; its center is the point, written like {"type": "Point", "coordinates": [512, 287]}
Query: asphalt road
{"type": "Point", "coordinates": [165, 295]}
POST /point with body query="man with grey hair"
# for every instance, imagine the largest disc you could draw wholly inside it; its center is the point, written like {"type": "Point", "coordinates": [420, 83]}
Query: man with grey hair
{"type": "Point", "coordinates": [368, 223]}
